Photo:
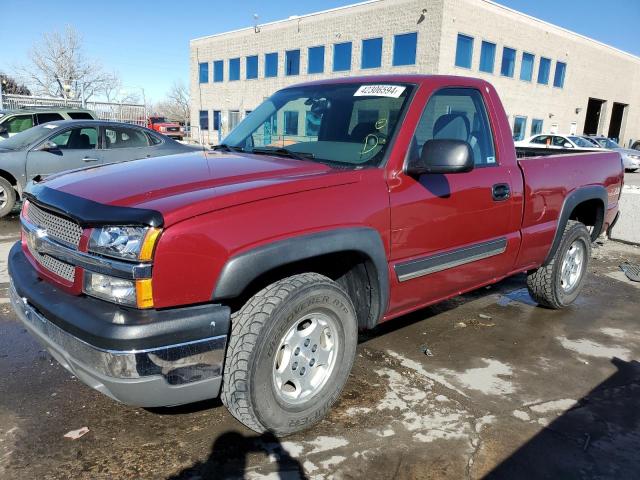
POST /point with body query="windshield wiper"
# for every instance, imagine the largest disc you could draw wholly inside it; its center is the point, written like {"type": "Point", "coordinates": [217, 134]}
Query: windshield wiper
{"type": "Point", "coordinates": [227, 148]}
{"type": "Point", "coordinates": [283, 152]}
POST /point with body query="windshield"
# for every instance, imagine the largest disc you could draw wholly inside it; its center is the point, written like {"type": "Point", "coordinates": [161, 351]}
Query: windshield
{"type": "Point", "coordinates": [158, 120]}
{"type": "Point", "coordinates": [346, 124]}
{"type": "Point", "coordinates": [581, 142]}
{"type": "Point", "coordinates": [27, 137]}
{"type": "Point", "coordinates": [606, 143]}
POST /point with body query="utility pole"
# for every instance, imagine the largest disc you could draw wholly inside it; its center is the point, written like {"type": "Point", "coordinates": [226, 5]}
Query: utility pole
{"type": "Point", "coordinates": [1, 85]}
{"type": "Point", "coordinates": [83, 103]}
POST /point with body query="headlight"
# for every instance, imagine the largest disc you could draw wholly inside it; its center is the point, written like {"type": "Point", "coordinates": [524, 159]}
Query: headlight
{"type": "Point", "coordinates": [126, 243]}
{"type": "Point", "coordinates": [133, 293]}
{"type": "Point", "coordinates": [634, 157]}
{"type": "Point", "coordinates": [163, 129]}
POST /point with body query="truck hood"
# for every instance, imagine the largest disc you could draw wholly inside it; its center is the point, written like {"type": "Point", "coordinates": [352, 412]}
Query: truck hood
{"type": "Point", "coordinates": [185, 185]}
{"type": "Point", "coordinates": [166, 124]}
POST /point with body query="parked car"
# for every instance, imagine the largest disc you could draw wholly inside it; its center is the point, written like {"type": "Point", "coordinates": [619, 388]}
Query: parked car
{"type": "Point", "coordinates": [591, 140]}
{"type": "Point", "coordinates": [165, 127]}
{"type": "Point", "coordinates": [248, 271]}
{"type": "Point", "coordinates": [630, 157]}
{"type": "Point", "coordinates": [64, 145]}
{"type": "Point", "coordinates": [13, 122]}
{"type": "Point", "coordinates": [556, 141]}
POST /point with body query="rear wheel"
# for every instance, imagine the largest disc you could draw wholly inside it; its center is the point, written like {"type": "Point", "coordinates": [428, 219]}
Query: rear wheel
{"type": "Point", "coordinates": [290, 352]}
{"type": "Point", "coordinates": [558, 284]}
{"type": "Point", "coordinates": [7, 197]}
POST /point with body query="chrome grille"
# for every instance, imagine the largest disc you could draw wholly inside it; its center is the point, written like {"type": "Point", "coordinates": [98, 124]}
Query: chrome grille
{"type": "Point", "coordinates": [57, 227]}
{"type": "Point", "coordinates": [64, 270]}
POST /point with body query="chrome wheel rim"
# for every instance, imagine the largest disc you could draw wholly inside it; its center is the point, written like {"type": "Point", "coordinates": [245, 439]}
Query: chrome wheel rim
{"type": "Point", "coordinates": [572, 263]}
{"type": "Point", "coordinates": [3, 198]}
{"type": "Point", "coordinates": [305, 358]}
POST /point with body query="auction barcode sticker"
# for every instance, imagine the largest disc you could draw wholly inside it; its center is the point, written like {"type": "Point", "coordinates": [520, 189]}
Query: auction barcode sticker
{"type": "Point", "coordinates": [393, 91]}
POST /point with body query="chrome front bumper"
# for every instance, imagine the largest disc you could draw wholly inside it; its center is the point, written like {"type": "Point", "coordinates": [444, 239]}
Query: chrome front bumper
{"type": "Point", "coordinates": [168, 375]}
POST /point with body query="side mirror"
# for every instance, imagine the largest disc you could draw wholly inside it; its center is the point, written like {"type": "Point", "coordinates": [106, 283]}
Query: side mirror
{"type": "Point", "coordinates": [567, 145]}
{"type": "Point", "coordinates": [47, 146]}
{"type": "Point", "coordinates": [442, 156]}
{"type": "Point", "coordinates": [3, 130]}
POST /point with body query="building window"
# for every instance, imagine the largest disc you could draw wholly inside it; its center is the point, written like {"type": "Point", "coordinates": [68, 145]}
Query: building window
{"type": "Point", "coordinates": [526, 69]}
{"type": "Point", "coordinates": [464, 51]}
{"type": "Point", "coordinates": [519, 126]}
{"type": "Point", "coordinates": [371, 53]}
{"type": "Point", "coordinates": [404, 49]}
{"type": "Point", "coordinates": [342, 57]}
{"type": "Point", "coordinates": [292, 62]}
{"type": "Point", "coordinates": [218, 71]}
{"type": "Point", "coordinates": [558, 76]}
{"type": "Point", "coordinates": [316, 60]}
{"type": "Point", "coordinates": [204, 119]}
{"type": "Point", "coordinates": [536, 126]}
{"type": "Point", "coordinates": [204, 72]}
{"type": "Point", "coordinates": [252, 67]}
{"type": "Point", "coordinates": [543, 71]}
{"type": "Point", "coordinates": [291, 122]}
{"type": "Point", "coordinates": [487, 57]}
{"type": "Point", "coordinates": [271, 65]}
{"type": "Point", "coordinates": [508, 62]}
{"type": "Point", "coordinates": [216, 119]}
{"type": "Point", "coordinates": [312, 124]}
{"type": "Point", "coordinates": [234, 69]}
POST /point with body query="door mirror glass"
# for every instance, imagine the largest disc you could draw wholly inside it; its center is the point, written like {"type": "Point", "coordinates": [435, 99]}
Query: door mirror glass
{"type": "Point", "coordinates": [3, 130]}
{"type": "Point", "coordinates": [442, 156]}
{"type": "Point", "coordinates": [48, 146]}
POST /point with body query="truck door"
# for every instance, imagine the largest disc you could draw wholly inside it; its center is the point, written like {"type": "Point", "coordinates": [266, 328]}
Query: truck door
{"type": "Point", "coordinates": [74, 148]}
{"type": "Point", "coordinates": [453, 232]}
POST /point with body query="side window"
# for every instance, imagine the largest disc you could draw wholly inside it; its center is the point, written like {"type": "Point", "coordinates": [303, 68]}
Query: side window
{"type": "Point", "coordinates": [542, 139]}
{"type": "Point", "coordinates": [47, 117]}
{"type": "Point", "coordinates": [77, 139]}
{"type": "Point", "coordinates": [457, 114]}
{"type": "Point", "coordinates": [561, 142]}
{"type": "Point", "coordinates": [123, 137]}
{"type": "Point", "coordinates": [80, 115]}
{"type": "Point", "coordinates": [19, 123]}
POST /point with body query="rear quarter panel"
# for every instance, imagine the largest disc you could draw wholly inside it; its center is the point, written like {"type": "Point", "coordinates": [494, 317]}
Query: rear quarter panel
{"type": "Point", "coordinates": [548, 181]}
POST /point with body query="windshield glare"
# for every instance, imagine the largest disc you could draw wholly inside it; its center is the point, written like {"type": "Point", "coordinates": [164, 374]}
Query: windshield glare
{"type": "Point", "coordinates": [607, 143]}
{"type": "Point", "coordinates": [28, 137]}
{"type": "Point", "coordinates": [581, 142]}
{"type": "Point", "coordinates": [350, 124]}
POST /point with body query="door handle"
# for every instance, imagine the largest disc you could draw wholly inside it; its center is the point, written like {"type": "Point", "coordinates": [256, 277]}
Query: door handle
{"type": "Point", "coordinates": [89, 159]}
{"type": "Point", "coordinates": [500, 192]}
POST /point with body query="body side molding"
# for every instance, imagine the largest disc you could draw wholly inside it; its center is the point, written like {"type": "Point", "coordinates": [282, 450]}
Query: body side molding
{"type": "Point", "coordinates": [443, 261]}
{"type": "Point", "coordinates": [242, 269]}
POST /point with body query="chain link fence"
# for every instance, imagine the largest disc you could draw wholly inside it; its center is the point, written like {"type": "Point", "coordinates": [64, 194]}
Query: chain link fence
{"type": "Point", "coordinates": [121, 112]}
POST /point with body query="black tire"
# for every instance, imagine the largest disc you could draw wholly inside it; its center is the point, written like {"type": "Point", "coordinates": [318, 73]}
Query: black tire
{"type": "Point", "coordinates": [7, 197]}
{"type": "Point", "coordinates": [249, 389]}
{"type": "Point", "coordinates": [546, 285]}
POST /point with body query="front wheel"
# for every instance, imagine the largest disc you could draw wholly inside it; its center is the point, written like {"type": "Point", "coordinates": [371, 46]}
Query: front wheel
{"type": "Point", "coordinates": [558, 284]}
{"type": "Point", "coordinates": [7, 197]}
{"type": "Point", "coordinates": [291, 349]}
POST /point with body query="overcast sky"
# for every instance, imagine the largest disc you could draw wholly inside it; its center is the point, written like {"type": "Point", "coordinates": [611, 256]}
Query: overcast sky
{"type": "Point", "coordinates": [147, 41]}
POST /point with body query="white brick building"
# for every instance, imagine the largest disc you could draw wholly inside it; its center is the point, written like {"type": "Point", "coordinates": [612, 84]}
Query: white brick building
{"type": "Point", "coordinates": [550, 79]}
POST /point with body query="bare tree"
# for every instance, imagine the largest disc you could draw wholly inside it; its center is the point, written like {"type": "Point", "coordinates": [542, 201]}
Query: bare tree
{"type": "Point", "coordinates": [10, 85]}
{"type": "Point", "coordinates": [115, 92]}
{"type": "Point", "coordinates": [59, 68]}
{"type": "Point", "coordinates": [176, 106]}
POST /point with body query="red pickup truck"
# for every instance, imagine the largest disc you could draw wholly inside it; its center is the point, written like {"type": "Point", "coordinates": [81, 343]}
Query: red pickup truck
{"type": "Point", "coordinates": [165, 127]}
{"type": "Point", "coordinates": [248, 271]}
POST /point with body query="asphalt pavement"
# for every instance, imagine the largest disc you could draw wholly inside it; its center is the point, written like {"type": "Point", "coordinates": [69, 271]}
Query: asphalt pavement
{"type": "Point", "coordinates": [487, 385]}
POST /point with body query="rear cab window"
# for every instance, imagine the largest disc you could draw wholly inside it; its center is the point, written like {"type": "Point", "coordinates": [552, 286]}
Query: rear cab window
{"type": "Point", "coordinates": [80, 115]}
{"type": "Point", "coordinates": [48, 117]}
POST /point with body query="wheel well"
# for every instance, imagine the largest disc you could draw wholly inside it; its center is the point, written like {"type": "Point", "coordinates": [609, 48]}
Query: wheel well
{"type": "Point", "coordinates": [7, 176]}
{"type": "Point", "coordinates": [352, 270]}
{"type": "Point", "coordinates": [591, 213]}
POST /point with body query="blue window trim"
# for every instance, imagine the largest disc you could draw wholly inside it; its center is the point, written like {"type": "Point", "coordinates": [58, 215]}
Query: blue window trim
{"type": "Point", "coordinates": [524, 126]}
{"type": "Point", "coordinates": [533, 62]}
{"type": "Point", "coordinates": [547, 62]}
{"type": "Point", "coordinates": [515, 56]}
{"type": "Point", "coordinates": [464, 62]}
{"type": "Point", "coordinates": [218, 68]}
{"type": "Point", "coordinates": [534, 122]}
{"type": "Point", "coordinates": [204, 119]}
{"type": "Point", "coordinates": [203, 71]}
{"type": "Point", "coordinates": [247, 66]}
{"type": "Point", "coordinates": [234, 62]}
{"type": "Point", "coordinates": [377, 44]}
{"type": "Point", "coordinates": [270, 70]}
{"type": "Point", "coordinates": [396, 49]}
{"type": "Point", "coordinates": [556, 83]}
{"type": "Point", "coordinates": [287, 72]}
{"type": "Point", "coordinates": [216, 119]}
{"type": "Point", "coordinates": [493, 46]}
{"type": "Point", "coordinates": [311, 52]}
{"type": "Point", "coordinates": [340, 64]}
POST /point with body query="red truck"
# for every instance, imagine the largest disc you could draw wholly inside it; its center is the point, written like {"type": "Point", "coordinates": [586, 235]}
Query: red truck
{"type": "Point", "coordinates": [247, 271]}
{"type": "Point", "coordinates": [165, 127]}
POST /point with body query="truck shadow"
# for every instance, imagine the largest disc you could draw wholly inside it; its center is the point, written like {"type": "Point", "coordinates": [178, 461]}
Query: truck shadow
{"type": "Point", "coordinates": [598, 438]}
{"type": "Point", "coordinates": [229, 458]}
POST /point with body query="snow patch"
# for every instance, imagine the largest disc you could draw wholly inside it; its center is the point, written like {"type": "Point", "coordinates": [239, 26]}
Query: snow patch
{"type": "Point", "coordinates": [334, 460]}
{"type": "Point", "coordinates": [323, 443]}
{"type": "Point", "coordinates": [594, 349]}
{"type": "Point", "coordinates": [487, 379]}
{"type": "Point", "coordinates": [554, 405]}
{"type": "Point", "coordinates": [521, 415]}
